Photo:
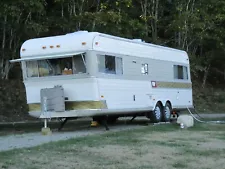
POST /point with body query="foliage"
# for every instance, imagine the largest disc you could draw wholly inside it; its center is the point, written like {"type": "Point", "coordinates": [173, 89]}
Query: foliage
{"type": "Point", "coordinates": [194, 26]}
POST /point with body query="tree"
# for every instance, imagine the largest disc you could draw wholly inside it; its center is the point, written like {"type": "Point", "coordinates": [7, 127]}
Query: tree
{"type": "Point", "coordinates": [19, 23]}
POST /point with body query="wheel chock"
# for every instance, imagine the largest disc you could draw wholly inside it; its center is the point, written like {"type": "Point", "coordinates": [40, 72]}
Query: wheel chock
{"type": "Point", "coordinates": [94, 124]}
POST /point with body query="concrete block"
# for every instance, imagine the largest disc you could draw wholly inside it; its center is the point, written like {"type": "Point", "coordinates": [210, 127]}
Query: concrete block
{"type": "Point", "coordinates": [46, 131]}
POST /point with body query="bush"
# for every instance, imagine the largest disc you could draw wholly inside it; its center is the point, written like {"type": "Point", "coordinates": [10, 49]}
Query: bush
{"type": "Point", "coordinates": [13, 105]}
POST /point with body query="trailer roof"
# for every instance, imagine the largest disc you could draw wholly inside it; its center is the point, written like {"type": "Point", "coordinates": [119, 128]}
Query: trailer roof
{"type": "Point", "coordinates": [82, 41]}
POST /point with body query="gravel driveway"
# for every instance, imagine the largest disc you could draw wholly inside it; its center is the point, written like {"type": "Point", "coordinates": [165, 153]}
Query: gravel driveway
{"type": "Point", "coordinates": [33, 139]}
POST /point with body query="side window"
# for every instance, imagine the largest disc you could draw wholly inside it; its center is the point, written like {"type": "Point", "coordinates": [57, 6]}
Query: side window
{"type": "Point", "coordinates": [144, 69]}
{"type": "Point", "coordinates": [79, 64]}
{"type": "Point", "coordinates": [101, 63]}
{"type": "Point", "coordinates": [180, 72]}
{"type": "Point", "coordinates": [110, 64]}
{"type": "Point", "coordinates": [119, 66]}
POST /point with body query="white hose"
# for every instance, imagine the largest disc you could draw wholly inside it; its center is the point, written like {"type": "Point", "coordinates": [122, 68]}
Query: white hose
{"type": "Point", "coordinates": [215, 122]}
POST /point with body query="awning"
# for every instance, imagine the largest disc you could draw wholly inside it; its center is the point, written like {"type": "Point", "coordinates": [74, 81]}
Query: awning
{"type": "Point", "coordinates": [42, 57]}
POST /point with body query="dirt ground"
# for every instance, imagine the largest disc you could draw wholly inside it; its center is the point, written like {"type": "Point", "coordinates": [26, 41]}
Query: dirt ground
{"type": "Point", "coordinates": [160, 146]}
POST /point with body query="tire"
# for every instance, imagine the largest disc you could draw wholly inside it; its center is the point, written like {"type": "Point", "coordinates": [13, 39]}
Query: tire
{"type": "Point", "coordinates": [167, 112]}
{"type": "Point", "coordinates": [156, 114]}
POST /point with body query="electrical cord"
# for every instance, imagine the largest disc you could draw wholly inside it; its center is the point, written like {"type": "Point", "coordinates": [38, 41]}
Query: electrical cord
{"type": "Point", "coordinates": [201, 121]}
{"type": "Point", "coordinates": [198, 114]}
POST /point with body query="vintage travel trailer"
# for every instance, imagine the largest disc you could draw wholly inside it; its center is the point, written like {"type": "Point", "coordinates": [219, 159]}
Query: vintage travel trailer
{"type": "Point", "coordinates": [91, 74]}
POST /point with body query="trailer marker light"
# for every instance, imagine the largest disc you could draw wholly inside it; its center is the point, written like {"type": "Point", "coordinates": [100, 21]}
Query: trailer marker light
{"type": "Point", "coordinates": [102, 96]}
{"type": "Point", "coordinates": [51, 46]}
{"type": "Point", "coordinates": [23, 50]}
{"type": "Point", "coordinates": [83, 43]}
{"type": "Point", "coordinates": [58, 46]}
{"type": "Point", "coordinates": [96, 43]}
{"type": "Point", "coordinates": [154, 84]}
{"type": "Point", "coordinates": [44, 47]}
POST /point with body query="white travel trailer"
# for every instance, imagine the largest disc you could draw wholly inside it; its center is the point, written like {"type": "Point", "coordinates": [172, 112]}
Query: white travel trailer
{"type": "Point", "coordinates": [103, 75]}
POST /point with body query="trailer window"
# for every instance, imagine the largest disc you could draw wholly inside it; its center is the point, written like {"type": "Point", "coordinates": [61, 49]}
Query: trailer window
{"type": "Point", "coordinates": [79, 64]}
{"type": "Point", "coordinates": [55, 67]}
{"type": "Point", "coordinates": [180, 72]}
{"type": "Point", "coordinates": [110, 64]}
{"type": "Point", "coordinates": [60, 66]}
{"type": "Point", "coordinates": [32, 69]}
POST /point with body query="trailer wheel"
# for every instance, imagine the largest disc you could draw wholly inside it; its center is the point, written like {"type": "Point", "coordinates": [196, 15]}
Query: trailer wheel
{"type": "Point", "coordinates": [156, 115]}
{"type": "Point", "coordinates": [167, 112]}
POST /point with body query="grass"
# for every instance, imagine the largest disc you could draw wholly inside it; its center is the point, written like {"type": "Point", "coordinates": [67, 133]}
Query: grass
{"type": "Point", "coordinates": [179, 164]}
{"type": "Point", "coordinates": [209, 100]}
{"type": "Point", "coordinates": [160, 146]}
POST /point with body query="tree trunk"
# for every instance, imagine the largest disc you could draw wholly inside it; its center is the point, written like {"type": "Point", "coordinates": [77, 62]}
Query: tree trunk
{"type": "Point", "coordinates": [206, 72]}
{"type": "Point", "coordinates": [154, 23]}
{"type": "Point", "coordinates": [7, 69]}
{"type": "Point", "coordinates": [94, 20]}
{"type": "Point", "coordinates": [144, 6]}
{"type": "Point", "coordinates": [3, 47]}
{"type": "Point", "coordinates": [62, 10]}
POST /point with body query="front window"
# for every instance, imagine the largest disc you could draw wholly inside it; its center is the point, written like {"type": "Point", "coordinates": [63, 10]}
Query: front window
{"type": "Point", "coordinates": [56, 67]}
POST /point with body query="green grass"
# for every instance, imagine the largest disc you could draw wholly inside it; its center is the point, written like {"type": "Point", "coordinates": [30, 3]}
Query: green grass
{"type": "Point", "coordinates": [180, 164]}
{"type": "Point", "coordinates": [207, 127]}
{"type": "Point", "coordinates": [205, 153]}
{"type": "Point", "coordinates": [160, 146]}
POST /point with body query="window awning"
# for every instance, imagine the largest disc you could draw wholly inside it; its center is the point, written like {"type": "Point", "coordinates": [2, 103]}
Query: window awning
{"type": "Point", "coordinates": [46, 57]}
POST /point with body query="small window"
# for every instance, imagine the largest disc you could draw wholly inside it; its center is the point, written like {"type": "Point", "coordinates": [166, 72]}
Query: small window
{"type": "Point", "coordinates": [180, 72]}
{"type": "Point", "coordinates": [144, 68]}
{"type": "Point", "coordinates": [110, 64]}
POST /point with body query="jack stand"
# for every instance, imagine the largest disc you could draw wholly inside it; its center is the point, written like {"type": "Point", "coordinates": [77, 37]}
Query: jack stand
{"type": "Point", "coordinates": [46, 130]}
{"type": "Point", "coordinates": [64, 122]}
{"type": "Point", "coordinates": [104, 122]}
{"type": "Point", "coordinates": [133, 118]}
